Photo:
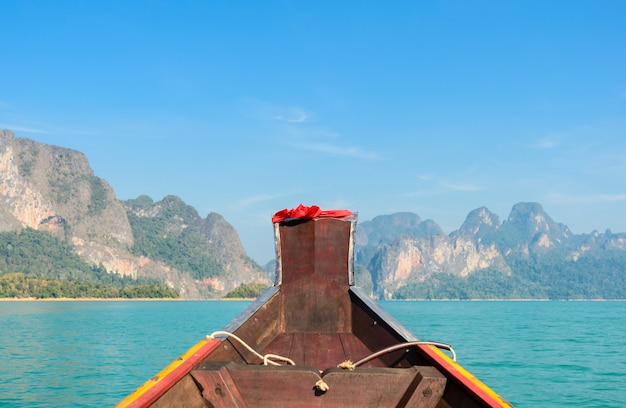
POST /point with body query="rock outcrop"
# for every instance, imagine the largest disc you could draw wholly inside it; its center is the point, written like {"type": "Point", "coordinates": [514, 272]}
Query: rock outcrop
{"type": "Point", "coordinates": [54, 189]}
{"type": "Point", "coordinates": [399, 249]}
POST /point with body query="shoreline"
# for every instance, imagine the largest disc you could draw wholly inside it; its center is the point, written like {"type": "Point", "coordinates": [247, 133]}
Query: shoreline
{"type": "Point", "coordinates": [91, 299]}
{"type": "Point", "coordinates": [79, 299]}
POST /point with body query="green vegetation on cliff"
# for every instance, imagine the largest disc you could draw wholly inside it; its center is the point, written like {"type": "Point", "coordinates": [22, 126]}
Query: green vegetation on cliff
{"type": "Point", "coordinates": [20, 285]}
{"type": "Point", "coordinates": [37, 264]}
{"type": "Point", "coordinates": [41, 254]}
{"type": "Point", "coordinates": [98, 198]}
{"type": "Point", "coordinates": [172, 237]}
{"type": "Point", "coordinates": [247, 291]}
{"type": "Point", "coordinates": [588, 277]}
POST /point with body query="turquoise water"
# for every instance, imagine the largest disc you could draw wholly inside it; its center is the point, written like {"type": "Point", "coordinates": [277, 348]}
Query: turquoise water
{"type": "Point", "coordinates": [93, 353]}
{"type": "Point", "coordinates": [535, 354]}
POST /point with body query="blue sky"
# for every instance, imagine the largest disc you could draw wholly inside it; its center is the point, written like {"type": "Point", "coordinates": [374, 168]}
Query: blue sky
{"type": "Point", "coordinates": [245, 108]}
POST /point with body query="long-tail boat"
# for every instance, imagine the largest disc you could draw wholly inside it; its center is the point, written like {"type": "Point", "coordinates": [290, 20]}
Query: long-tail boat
{"type": "Point", "coordinates": [314, 340]}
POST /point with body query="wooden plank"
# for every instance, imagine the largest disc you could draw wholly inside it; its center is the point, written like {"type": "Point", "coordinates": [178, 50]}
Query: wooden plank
{"type": "Point", "coordinates": [315, 276]}
{"type": "Point", "coordinates": [358, 296]}
{"type": "Point", "coordinates": [217, 386]}
{"type": "Point", "coordinates": [354, 349]}
{"type": "Point", "coordinates": [371, 325]}
{"type": "Point", "coordinates": [426, 389]}
{"type": "Point", "coordinates": [316, 305]}
{"type": "Point", "coordinates": [259, 330]}
{"type": "Point", "coordinates": [184, 393]}
{"type": "Point", "coordinates": [323, 350]}
{"type": "Point", "coordinates": [415, 387]}
{"type": "Point", "coordinates": [296, 352]}
{"type": "Point", "coordinates": [282, 345]}
{"type": "Point", "coordinates": [276, 387]}
{"type": "Point", "coordinates": [294, 386]}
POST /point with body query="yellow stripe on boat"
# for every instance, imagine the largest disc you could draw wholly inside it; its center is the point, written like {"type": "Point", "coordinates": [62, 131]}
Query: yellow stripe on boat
{"type": "Point", "coordinates": [193, 355]}
{"type": "Point", "coordinates": [474, 382]}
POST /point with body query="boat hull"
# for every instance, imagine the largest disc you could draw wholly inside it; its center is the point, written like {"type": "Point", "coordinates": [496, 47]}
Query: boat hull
{"type": "Point", "coordinates": [347, 351]}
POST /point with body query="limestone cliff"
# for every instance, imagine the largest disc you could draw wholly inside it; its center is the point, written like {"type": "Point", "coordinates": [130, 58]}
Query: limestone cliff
{"type": "Point", "coordinates": [409, 259]}
{"type": "Point", "coordinates": [400, 249]}
{"type": "Point", "coordinates": [54, 189]}
{"type": "Point", "coordinates": [208, 249]}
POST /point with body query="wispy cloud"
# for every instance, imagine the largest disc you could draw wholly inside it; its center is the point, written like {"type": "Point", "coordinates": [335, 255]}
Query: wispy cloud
{"type": "Point", "coordinates": [460, 187]}
{"type": "Point", "coordinates": [546, 143]}
{"type": "Point", "coordinates": [431, 184]}
{"type": "Point", "coordinates": [450, 184]}
{"type": "Point", "coordinates": [309, 137]}
{"type": "Point", "coordinates": [592, 198]}
{"type": "Point", "coordinates": [611, 197]}
{"type": "Point", "coordinates": [248, 202]}
{"type": "Point", "coordinates": [24, 129]}
{"type": "Point", "coordinates": [293, 115]}
{"type": "Point", "coordinates": [425, 177]}
{"type": "Point", "coordinates": [338, 202]}
{"type": "Point", "coordinates": [50, 129]}
{"type": "Point", "coordinates": [347, 151]}
{"type": "Point", "coordinates": [285, 113]}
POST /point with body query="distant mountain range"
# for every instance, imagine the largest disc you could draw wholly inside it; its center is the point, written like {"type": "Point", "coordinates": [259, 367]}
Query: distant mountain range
{"type": "Point", "coordinates": [527, 256]}
{"type": "Point", "coordinates": [53, 190]}
{"type": "Point", "coordinates": [50, 195]}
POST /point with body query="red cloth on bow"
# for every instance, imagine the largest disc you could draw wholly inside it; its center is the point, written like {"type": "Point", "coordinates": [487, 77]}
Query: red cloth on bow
{"type": "Point", "coordinates": [307, 213]}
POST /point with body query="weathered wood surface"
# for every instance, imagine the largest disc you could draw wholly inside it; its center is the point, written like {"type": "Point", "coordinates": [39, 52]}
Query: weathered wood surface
{"type": "Point", "coordinates": [315, 276]}
{"type": "Point", "coordinates": [315, 317]}
{"type": "Point", "coordinates": [321, 350]}
{"type": "Point", "coordinates": [235, 385]}
{"type": "Point", "coordinates": [185, 393]}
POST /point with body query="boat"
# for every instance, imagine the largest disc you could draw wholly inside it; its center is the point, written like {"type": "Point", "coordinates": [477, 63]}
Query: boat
{"type": "Point", "coordinates": [314, 339]}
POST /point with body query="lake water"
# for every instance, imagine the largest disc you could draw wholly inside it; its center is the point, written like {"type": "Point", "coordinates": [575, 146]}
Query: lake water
{"type": "Point", "coordinates": [94, 353]}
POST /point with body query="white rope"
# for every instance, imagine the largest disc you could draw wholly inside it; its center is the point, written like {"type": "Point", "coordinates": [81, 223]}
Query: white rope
{"type": "Point", "coordinates": [444, 346]}
{"type": "Point", "coordinates": [266, 358]}
{"type": "Point", "coordinates": [321, 386]}
{"type": "Point", "coordinates": [402, 346]}
{"type": "Point", "coordinates": [348, 365]}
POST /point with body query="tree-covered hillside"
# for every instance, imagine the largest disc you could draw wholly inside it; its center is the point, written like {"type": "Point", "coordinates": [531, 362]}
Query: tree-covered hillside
{"type": "Point", "coordinates": [528, 255]}
{"type": "Point", "coordinates": [536, 277]}
{"type": "Point", "coordinates": [171, 234]}
{"type": "Point", "coordinates": [37, 264]}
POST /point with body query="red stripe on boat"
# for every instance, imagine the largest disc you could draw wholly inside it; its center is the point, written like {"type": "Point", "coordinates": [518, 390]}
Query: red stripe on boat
{"type": "Point", "coordinates": [159, 388]}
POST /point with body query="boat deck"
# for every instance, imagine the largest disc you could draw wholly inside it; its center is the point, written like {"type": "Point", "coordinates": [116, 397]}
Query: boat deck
{"type": "Point", "coordinates": [227, 384]}
{"type": "Point", "coordinates": [313, 320]}
{"type": "Point", "coordinates": [321, 350]}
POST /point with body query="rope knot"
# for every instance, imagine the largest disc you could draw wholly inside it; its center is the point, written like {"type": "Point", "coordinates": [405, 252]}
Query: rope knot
{"type": "Point", "coordinates": [321, 386]}
{"type": "Point", "coordinates": [347, 365]}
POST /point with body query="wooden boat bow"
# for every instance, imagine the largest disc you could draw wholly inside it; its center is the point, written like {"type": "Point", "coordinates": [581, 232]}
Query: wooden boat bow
{"type": "Point", "coordinates": [315, 317]}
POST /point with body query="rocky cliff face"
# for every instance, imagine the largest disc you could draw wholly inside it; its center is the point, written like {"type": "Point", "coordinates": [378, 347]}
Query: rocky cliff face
{"type": "Point", "coordinates": [415, 258]}
{"type": "Point", "coordinates": [208, 249]}
{"type": "Point", "coordinates": [395, 256]}
{"type": "Point", "coordinates": [237, 267]}
{"type": "Point", "coordinates": [54, 189]}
